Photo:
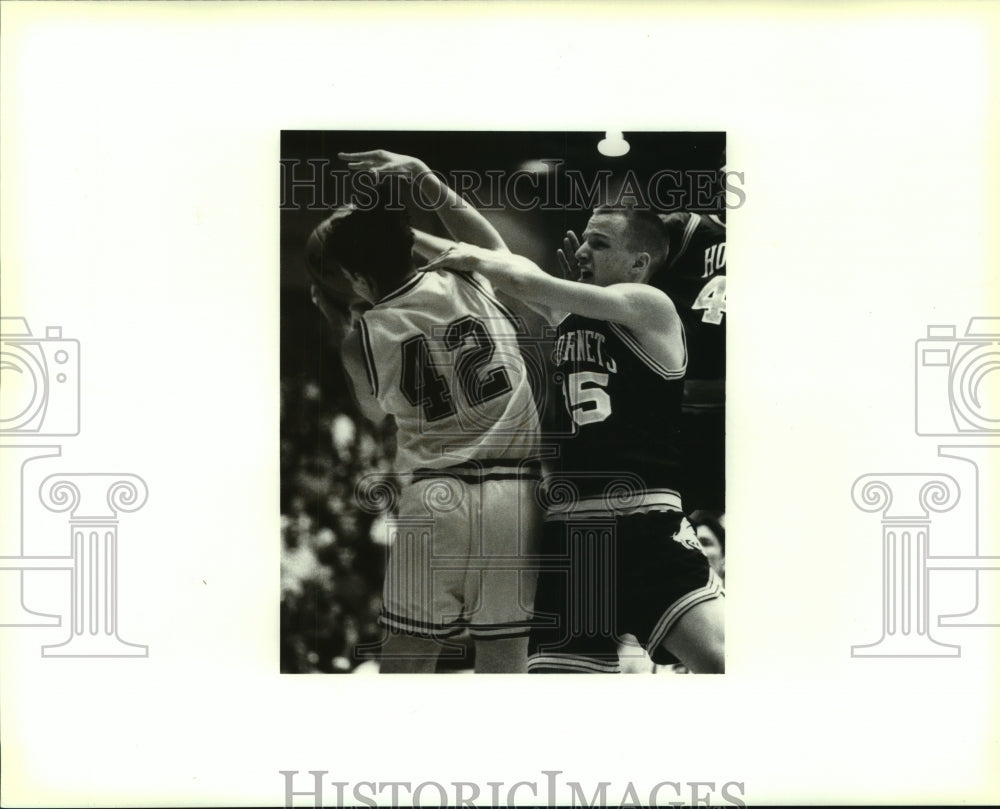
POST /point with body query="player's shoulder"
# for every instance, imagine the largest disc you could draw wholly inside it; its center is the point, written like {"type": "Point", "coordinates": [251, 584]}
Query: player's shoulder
{"type": "Point", "coordinates": [645, 302]}
{"type": "Point", "coordinates": [675, 218]}
{"type": "Point", "coordinates": [446, 281]}
{"type": "Point", "coordinates": [643, 292]}
{"type": "Point", "coordinates": [469, 281]}
{"type": "Point", "coordinates": [678, 221]}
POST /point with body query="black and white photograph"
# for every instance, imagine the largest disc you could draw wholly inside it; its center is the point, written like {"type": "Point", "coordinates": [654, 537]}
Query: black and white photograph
{"type": "Point", "coordinates": [394, 337]}
{"type": "Point", "coordinates": [503, 401]}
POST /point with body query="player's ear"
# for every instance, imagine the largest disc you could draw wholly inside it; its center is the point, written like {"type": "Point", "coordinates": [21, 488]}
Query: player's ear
{"type": "Point", "coordinates": [641, 265]}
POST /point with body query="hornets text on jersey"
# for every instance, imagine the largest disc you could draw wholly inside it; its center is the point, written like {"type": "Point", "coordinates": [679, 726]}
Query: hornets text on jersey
{"type": "Point", "coordinates": [620, 420]}
{"type": "Point", "coordinates": [442, 358]}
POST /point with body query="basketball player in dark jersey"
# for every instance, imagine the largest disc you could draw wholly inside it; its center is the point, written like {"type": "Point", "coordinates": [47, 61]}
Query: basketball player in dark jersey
{"type": "Point", "coordinates": [619, 557]}
{"type": "Point", "coordinates": [695, 279]}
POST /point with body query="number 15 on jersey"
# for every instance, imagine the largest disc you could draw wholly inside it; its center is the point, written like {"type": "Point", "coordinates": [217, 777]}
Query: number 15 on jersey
{"type": "Point", "coordinates": [586, 397]}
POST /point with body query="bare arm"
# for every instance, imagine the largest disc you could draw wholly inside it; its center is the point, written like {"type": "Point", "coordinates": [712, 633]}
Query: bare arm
{"type": "Point", "coordinates": [347, 338]}
{"type": "Point", "coordinates": [641, 308]}
{"type": "Point", "coordinates": [462, 221]}
{"type": "Point", "coordinates": [428, 246]}
{"type": "Point", "coordinates": [357, 377]}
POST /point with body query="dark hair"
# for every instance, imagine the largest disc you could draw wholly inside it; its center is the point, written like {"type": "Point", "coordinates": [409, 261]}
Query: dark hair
{"type": "Point", "coordinates": [711, 520]}
{"type": "Point", "coordinates": [373, 242]}
{"type": "Point", "coordinates": [646, 232]}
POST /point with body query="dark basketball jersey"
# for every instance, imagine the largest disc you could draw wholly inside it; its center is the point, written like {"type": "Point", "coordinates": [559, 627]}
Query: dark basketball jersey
{"type": "Point", "coordinates": [620, 417]}
{"type": "Point", "coordinates": [695, 280]}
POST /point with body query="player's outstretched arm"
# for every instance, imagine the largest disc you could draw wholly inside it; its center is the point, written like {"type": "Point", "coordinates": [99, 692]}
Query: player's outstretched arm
{"type": "Point", "coordinates": [632, 305]}
{"type": "Point", "coordinates": [428, 246]}
{"type": "Point", "coordinates": [462, 221]}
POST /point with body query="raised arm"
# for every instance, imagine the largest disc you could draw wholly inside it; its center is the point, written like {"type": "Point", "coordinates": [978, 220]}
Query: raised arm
{"type": "Point", "coordinates": [646, 311]}
{"type": "Point", "coordinates": [428, 246]}
{"type": "Point", "coordinates": [462, 221]}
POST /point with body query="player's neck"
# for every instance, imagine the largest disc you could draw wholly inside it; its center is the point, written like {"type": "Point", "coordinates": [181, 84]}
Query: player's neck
{"type": "Point", "coordinates": [403, 281]}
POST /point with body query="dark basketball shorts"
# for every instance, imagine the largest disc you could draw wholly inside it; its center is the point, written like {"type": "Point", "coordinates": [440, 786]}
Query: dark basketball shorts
{"type": "Point", "coordinates": [604, 577]}
{"type": "Point", "coordinates": [703, 458]}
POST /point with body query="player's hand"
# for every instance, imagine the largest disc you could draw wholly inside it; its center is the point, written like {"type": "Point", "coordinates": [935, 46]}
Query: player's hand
{"type": "Point", "coordinates": [462, 257]}
{"type": "Point", "coordinates": [567, 257]}
{"type": "Point", "coordinates": [379, 161]}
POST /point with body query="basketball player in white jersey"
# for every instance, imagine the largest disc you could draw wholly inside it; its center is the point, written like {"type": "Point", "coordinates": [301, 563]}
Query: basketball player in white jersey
{"type": "Point", "coordinates": [439, 354]}
{"type": "Point", "coordinates": [633, 561]}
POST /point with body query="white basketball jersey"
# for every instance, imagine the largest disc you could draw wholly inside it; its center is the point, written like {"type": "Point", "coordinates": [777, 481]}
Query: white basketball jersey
{"type": "Point", "coordinates": [443, 359]}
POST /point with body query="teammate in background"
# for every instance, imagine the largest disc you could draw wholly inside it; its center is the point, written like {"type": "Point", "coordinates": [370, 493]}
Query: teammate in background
{"type": "Point", "coordinates": [438, 353]}
{"type": "Point", "coordinates": [712, 535]}
{"type": "Point", "coordinates": [695, 279]}
{"type": "Point", "coordinates": [622, 356]}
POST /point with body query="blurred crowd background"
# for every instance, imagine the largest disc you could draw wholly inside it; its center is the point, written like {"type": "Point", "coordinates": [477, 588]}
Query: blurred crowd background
{"type": "Point", "coordinates": [332, 559]}
{"type": "Point", "coordinates": [333, 551]}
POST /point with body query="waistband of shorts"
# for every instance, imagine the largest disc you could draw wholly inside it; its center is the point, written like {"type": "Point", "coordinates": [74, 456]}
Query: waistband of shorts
{"type": "Point", "coordinates": [704, 395]}
{"type": "Point", "coordinates": [616, 505]}
{"type": "Point", "coordinates": [484, 469]}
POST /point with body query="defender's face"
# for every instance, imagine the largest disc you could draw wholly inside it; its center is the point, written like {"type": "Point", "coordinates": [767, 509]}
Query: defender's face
{"type": "Point", "coordinates": [713, 550]}
{"type": "Point", "coordinates": [603, 257]}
